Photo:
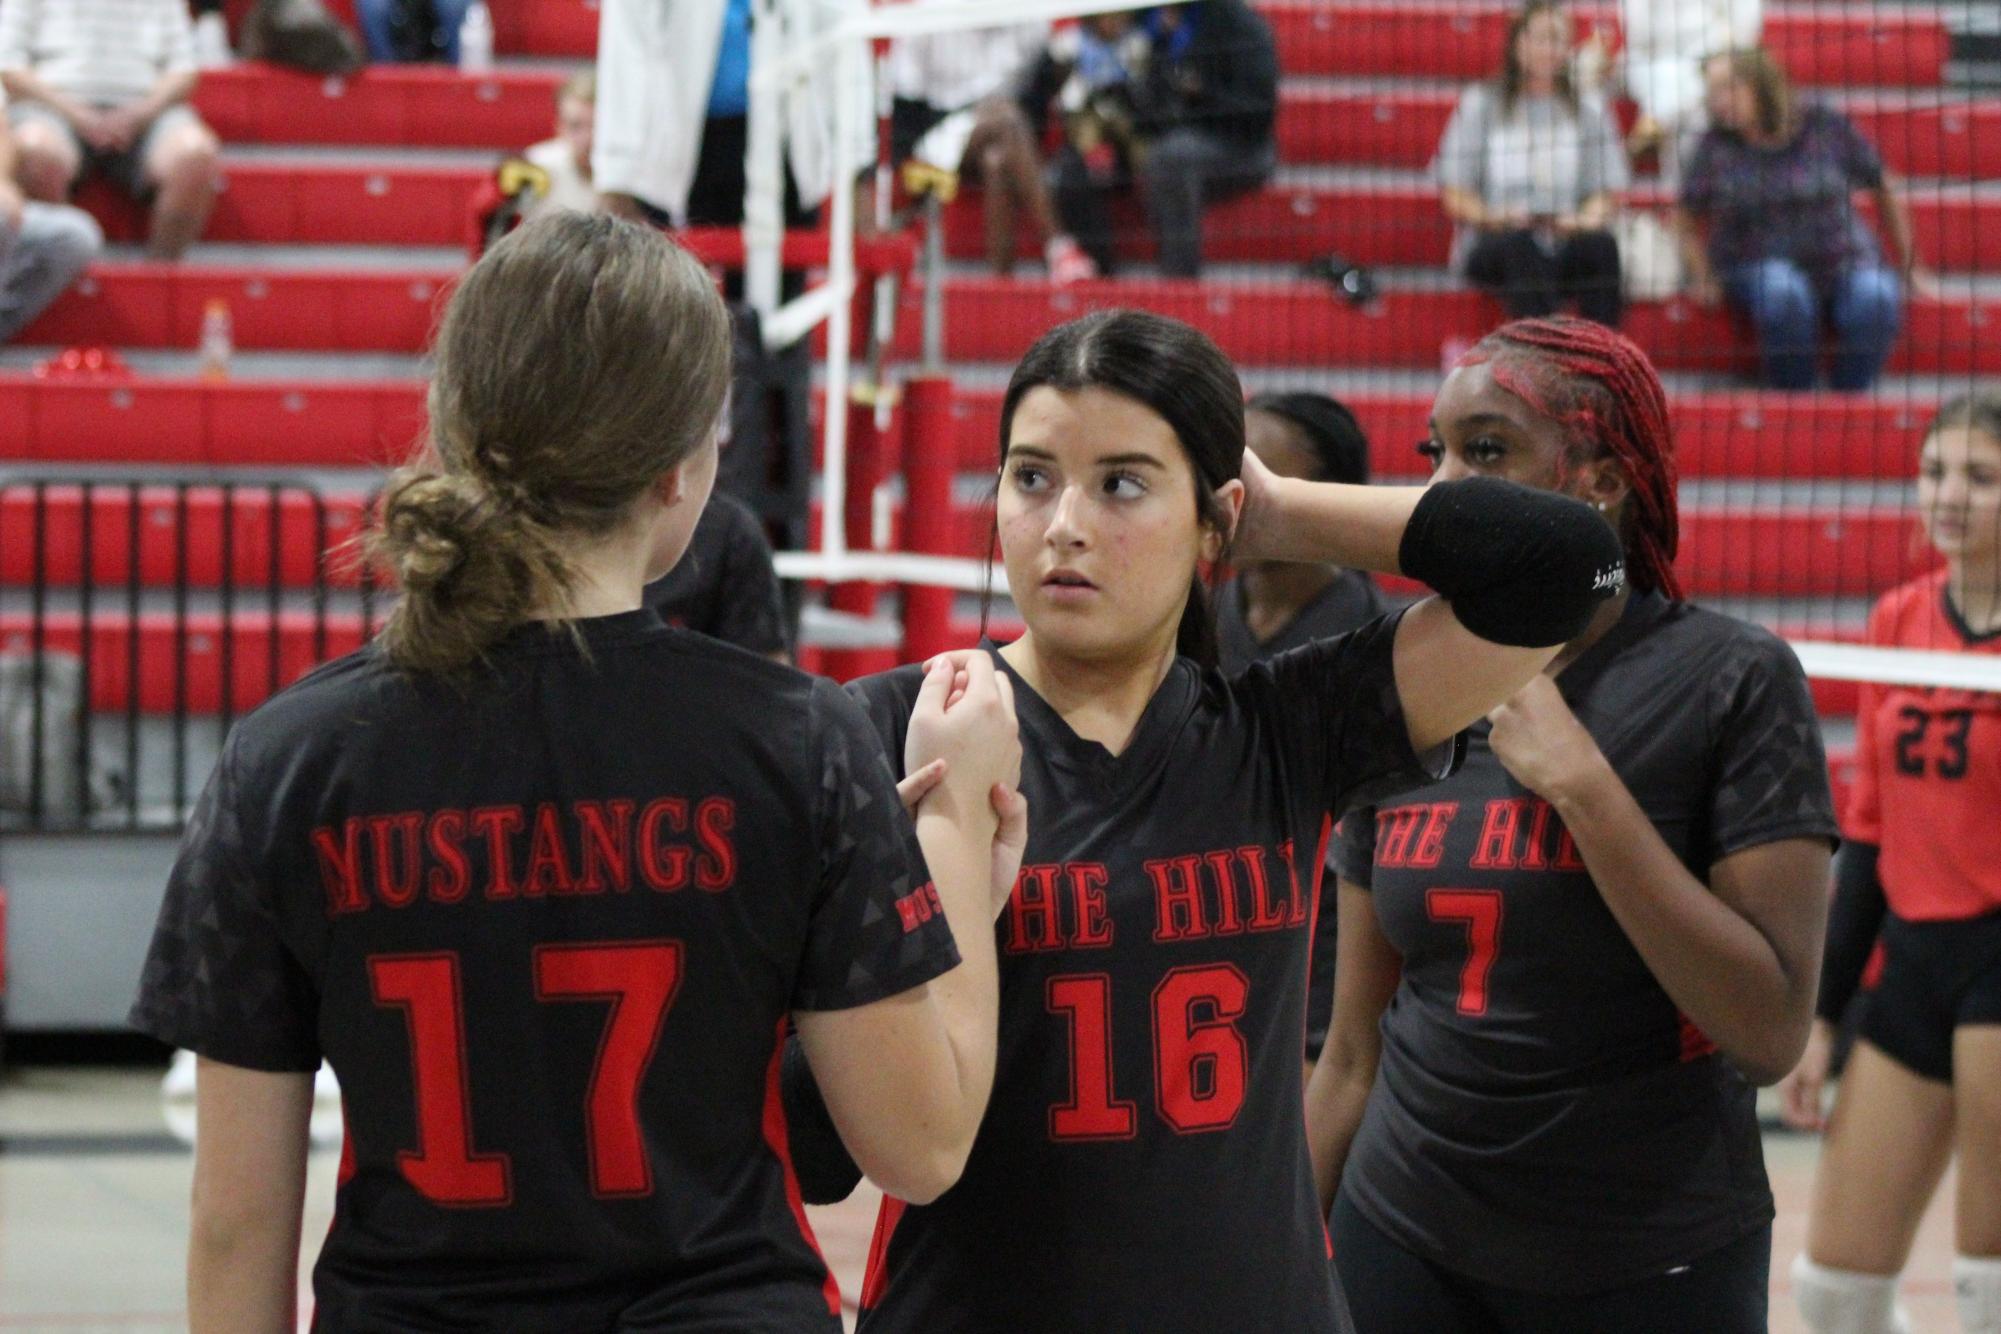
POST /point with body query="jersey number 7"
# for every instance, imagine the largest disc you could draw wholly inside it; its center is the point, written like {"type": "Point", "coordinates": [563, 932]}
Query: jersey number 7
{"type": "Point", "coordinates": [1480, 910]}
{"type": "Point", "coordinates": [637, 979]}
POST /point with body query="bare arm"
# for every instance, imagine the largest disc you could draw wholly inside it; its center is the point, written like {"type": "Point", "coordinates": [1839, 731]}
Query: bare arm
{"type": "Point", "coordinates": [1448, 678]}
{"type": "Point", "coordinates": [1895, 208]}
{"type": "Point", "coordinates": [173, 88]}
{"type": "Point", "coordinates": [249, 1190]}
{"type": "Point", "coordinates": [906, 1078]}
{"type": "Point", "coordinates": [1701, 278]}
{"type": "Point", "coordinates": [1365, 978]}
{"type": "Point", "coordinates": [24, 85]}
{"type": "Point", "coordinates": [1740, 956]}
{"type": "Point", "coordinates": [1468, 209]}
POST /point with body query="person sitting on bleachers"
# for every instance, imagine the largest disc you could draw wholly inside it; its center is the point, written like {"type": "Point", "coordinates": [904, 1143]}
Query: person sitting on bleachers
{"type": "Point", "coordinates": [1665, 43]}
{"type": "Point", "coordinates": [43, 248]}
{"type": "Point", "coordinates": [957, 110]}
{"type": "Point", "coordinates": [409, 31]}
{"type": "Point", "coordinates": [1530, 169]}
{"type": "Point", "coordinates": [566, 159]}
{"type": "Point", "coordinates": [103, 85]}
{"type": "Point", "coordinates": [1773, 184]}
{"type": "Point", "coordinates": [1206, 111]}
{"type": "Point", "coordinates": [1087, 72]}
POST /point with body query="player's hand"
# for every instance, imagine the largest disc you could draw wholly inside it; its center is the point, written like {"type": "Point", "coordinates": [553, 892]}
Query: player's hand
{"type": "Point", "coordinates": [915, 787]}
{"type": "Point", "coordinates": [1258, 522]}
{"type": "Point", "coordinates": [971, 725]}
{"type": "Point", "coordinates": [1800, 1093]}
{"type": "Point", "coordinates": [1010, 841]}
{"type": "Point", "coordinates": [1539, 741]}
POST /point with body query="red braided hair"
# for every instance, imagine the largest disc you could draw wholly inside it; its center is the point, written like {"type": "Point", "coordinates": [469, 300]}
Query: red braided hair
{"type": "Point", "coordinates": [1601, 389]}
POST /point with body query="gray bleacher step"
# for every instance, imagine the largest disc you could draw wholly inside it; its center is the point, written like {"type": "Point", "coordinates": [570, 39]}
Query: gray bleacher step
{"type": "Point", "coordinates": [425, 259]}
{"type": "Point", "coordinates": [244, 366]}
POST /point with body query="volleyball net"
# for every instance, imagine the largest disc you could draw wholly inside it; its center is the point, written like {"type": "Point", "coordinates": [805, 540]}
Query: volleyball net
{"type": "Point", "coordinates": [1335, 268]}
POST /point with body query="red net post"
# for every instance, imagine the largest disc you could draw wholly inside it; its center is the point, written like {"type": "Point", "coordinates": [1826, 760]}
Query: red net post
{"type": "Point", "coordinates": [928, 463]}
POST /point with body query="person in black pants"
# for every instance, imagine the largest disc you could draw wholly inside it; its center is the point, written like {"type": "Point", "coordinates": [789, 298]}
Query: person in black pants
{"type": "Point", "coordinates": [1529, 170]}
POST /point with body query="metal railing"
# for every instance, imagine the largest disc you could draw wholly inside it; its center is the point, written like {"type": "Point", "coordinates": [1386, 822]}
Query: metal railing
{"type": "Point", "coordinates": [140, 617]}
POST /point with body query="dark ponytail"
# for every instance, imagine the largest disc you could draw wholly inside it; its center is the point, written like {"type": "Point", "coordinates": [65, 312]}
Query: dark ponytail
{"type": "Point", "coordinates": [1176, 372]}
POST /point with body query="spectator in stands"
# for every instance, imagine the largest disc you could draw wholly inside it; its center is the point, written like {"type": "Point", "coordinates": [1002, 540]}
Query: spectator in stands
{"type": "Point", "coordinates": [103, 85]}
{"type": "Point", "coordinates": [1772, 185]}
{"type": "Point", "coordinates": [1665, 43]}
{"type": "Point", "coordinates": [43, 248]}
{"type": "Point", "coordinates": [725, 587]}
{"type": "Point", "coordinates": [673, 112]}
{"type": "Point", "coordinates": [406, 31]}
{"type": "Point", "coordinates": [957, 110]}
{"type": "Point", "coordinates": [566, 159]}
{"type": "Point", "coordinates": [1206, 110]}
{"type": "Point", "coordinates": [1530, 169]}
{"type": "Point", "coordinates": [1088, 72]}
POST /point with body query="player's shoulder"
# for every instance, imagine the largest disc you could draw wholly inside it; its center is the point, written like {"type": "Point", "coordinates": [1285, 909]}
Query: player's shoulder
{"type": "Point", "coordinates": [1690, 632]}
{"type": "Point", "coordinates": [1907, 611]}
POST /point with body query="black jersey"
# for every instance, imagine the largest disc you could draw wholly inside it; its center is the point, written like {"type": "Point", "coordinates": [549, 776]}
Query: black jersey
{"type": "Point", "coordinates": [1142, 1164]}
{"type": "Point", "coordinates": [546, 927]}
{"type": "Point", "coordinates": [724, 586]}
{"type": "Point", "coordinates": [1352, 600]}
{"type": "Point", "coordinates": [1543, 1117]}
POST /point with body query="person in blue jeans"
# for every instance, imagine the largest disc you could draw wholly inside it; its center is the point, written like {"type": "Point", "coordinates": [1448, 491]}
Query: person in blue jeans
{"type": "Point", "coordinates": [1772, 185]}
{"type": "Point", "coordinates": [396, 32]}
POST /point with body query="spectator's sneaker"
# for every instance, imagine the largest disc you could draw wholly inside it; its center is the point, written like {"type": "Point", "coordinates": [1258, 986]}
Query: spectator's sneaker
{"type": "Point", "coordinates": [212, 42]}
{"type": "Point", "coordinates": [1068, 263]}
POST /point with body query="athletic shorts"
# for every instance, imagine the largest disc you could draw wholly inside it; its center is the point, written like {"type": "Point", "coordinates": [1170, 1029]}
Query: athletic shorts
{"type": "Point", "coordinates": [1391, 1290]}
{"type": "Point", "coordinates": [1937, 977]}
{"type": "Point", "coordinates": [125, 169]}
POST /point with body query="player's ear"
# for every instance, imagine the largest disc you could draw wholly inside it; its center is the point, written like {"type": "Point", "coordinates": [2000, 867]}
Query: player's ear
{"type": "Point", "coordinates": [673, 485]}
{"type": "Point", "coordinates": [1230, 506]}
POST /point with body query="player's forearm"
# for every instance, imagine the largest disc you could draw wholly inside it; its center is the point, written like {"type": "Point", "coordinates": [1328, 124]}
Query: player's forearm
{"type": "Point", "coordinates": [1336, 1097]}
{"type": "Point", "coordinates": [1718, 968]}
{"type": "Point", "coordinates": [242, 1275]}
{"type": "Point", "coordinates": [1360, 527]}
{"type": "Point", "coordinates": [957, 850]}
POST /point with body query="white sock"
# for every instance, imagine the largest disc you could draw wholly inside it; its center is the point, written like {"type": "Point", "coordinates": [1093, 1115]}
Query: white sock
{"type": "Point", "coordinates": [1838, 1301]}
{"type": "Point", "coordinates": [1976, 1281]}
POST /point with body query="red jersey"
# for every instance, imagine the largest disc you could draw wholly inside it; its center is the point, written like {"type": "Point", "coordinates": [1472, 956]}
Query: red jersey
{"type": "Point", "coordinates": [1928, 768]}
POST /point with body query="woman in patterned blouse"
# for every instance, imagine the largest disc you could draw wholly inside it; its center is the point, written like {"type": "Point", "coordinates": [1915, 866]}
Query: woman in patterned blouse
{"type": "Point", "coordinates": [1768, 223]}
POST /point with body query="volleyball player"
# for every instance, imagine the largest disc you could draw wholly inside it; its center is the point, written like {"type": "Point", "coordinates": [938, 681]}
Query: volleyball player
{"type": "Point", "coordinates": [1922, 865]}
{"type": "Point", "coordinates": [543, 877]}
{"type": "Point", "coordinates": [1564, 968]}
{"type": "Point", "coordinates": [1278, 605]}
{"type": "Point", "coordinates": [725, 586]}
{"type": "Point", "coordinates": [1142, 1165]}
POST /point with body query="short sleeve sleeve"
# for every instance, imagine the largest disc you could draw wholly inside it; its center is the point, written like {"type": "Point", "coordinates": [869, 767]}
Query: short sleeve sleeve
{"type": "Point", "coordinates": [177, 54]}
{"type": "Point", "coordinates": [1860, 160]}
{"type": "Point", "coordinates": [1355, 847]}
{"type": "Point", "coordinates": [1335, 708]}
{"type": "Point", "coordinates": [877, 925]}
{"type": "Point", "coordinates": [1768, 766]}
{"type": "Point", "coordinates": [750, 612]}
{"type": "Point", "coordinates": [220, 979]}
{"type": "Point", "coordinates": [1462, 153]}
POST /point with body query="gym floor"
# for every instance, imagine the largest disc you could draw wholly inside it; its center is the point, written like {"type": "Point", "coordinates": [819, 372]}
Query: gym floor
{"type": "Point", "coordinates": [94, 1211]}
